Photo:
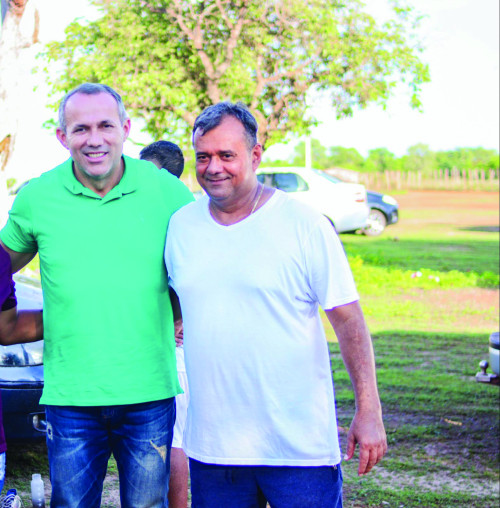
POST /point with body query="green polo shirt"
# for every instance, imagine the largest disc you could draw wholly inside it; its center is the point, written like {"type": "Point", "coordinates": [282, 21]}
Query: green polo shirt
{"type": "Point", "coordinates": [108, 326]}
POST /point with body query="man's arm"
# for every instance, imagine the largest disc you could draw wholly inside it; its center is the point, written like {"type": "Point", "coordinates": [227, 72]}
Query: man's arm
{"type": "Point", "coordinates": [367, 428]}
{"type": "Point", "coordinates": [19, 327]}
{"type": "Point", "coordinates": [15, 327]}
{"type": "Point", "coordinates": [18, 259]}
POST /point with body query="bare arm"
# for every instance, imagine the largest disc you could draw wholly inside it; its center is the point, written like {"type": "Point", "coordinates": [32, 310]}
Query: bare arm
{"type": "Point", "coordinates": [18, 259]}
{"type": "Point", "coordinates": [15, 327]}
{"type": "Point", "coordinates": [367, 428]}
{"type": "Point", "coordinates": [19, 327]}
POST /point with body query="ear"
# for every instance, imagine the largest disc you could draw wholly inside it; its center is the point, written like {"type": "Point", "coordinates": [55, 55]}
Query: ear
{"type": "Point", "coordinates": [126, 129]}
{"type": "Point", "coordinates": [61, 136]}
{"type": "Point", "coordinates": [256, 156]}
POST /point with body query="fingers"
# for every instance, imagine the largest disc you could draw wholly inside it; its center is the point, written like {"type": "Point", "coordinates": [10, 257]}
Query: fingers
{"type": "Point", "coordinates": [367, 431]}
{"type": "Point", "coordinates": [351, 445]}
{"type": "Point", "coordinates": [369, 456]}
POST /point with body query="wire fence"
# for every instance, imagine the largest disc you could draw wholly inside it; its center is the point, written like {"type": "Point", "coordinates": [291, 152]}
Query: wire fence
{"type": "Point", "coordinates": [445, 179]}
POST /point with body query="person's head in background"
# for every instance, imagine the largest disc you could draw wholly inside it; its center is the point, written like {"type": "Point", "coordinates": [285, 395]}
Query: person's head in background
{"type": "Point", "coordinates": [164, 155]}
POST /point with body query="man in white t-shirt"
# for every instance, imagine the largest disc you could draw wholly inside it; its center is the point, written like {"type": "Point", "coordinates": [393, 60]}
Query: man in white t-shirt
{"type": "Point", "coordinates": [251, 267]}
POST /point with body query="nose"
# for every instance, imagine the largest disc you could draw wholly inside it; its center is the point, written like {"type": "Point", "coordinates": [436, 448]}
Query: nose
{"type": "Point", "coordinates": [95, 138]}
{"type": "Point", "coordinates": [214, 166]}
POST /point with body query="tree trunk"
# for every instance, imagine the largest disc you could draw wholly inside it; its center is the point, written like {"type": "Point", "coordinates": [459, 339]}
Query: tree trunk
{"type": "Point", "coordinates": [19, 33]}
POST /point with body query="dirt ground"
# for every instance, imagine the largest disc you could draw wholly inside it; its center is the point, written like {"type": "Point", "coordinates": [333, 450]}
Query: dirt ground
{"type": "Point", "coordinates": [459, 204]}
{"type": "Point", "coordinates": [450, 200]}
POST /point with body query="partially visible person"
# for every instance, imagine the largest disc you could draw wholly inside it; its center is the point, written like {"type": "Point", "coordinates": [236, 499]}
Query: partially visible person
{"type": "Point", "coordinates": [252, 266]}
{"type": "Point", "coordinates": [98, 222]}
{"type": "Point", "coordinates": [13, 326]}
{"type": "Point", "coordinates": [167, 155]}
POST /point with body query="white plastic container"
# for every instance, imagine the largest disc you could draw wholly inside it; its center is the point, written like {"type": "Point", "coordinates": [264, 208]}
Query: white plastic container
{"type": "Point", "coordinates": [494, 350]}
{"type": "Point", "coordinates": [37, 491]}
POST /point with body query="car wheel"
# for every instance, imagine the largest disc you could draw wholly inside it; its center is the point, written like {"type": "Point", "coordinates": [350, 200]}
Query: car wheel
{"type": "Point", "coordinates": [375, 224]}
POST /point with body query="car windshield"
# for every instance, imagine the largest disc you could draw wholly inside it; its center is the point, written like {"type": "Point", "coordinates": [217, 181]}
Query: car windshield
{"type": "Point", "coordinates": [327, 176]}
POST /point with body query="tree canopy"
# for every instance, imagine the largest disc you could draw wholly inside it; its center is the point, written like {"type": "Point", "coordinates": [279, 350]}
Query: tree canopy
{"type": "Point", "coordinates": [172, 58]}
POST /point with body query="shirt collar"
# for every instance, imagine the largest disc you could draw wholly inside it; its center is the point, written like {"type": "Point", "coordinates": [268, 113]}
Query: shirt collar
{"type": "Point", "coordinates": [126, 185]}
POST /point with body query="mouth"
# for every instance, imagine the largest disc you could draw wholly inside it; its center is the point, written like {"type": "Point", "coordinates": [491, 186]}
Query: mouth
{"type": "Point", "coordinates": [215, 181]}
{"type": "Point", "coordinates": [95, 155]}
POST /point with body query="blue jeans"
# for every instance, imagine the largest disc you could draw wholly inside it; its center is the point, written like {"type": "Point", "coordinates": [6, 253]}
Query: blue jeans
{"type": "Point", "coordinates": [80, 441]}
{"type": "Point", "coordinates": [216, 486]}
{"type": "Point", "coordinates": [2, 470]}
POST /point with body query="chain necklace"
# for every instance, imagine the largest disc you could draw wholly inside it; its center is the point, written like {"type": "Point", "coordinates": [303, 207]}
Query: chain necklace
{"type": "Point", "coordinates": [214, 213]}
{"type": "Point", "coordinates": [258, 199]}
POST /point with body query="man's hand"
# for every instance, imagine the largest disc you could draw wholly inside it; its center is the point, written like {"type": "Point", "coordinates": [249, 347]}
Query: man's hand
{"type": "Point", "coordinates": [368, 431]}
{"type": "Point", "coordinates": [355, 343]}
{"type": "Point", "coordinates": [179, 332]}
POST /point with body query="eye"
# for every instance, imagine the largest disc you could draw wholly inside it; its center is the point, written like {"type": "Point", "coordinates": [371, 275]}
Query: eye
{"type": "Point", "coordinates": [201, 158]}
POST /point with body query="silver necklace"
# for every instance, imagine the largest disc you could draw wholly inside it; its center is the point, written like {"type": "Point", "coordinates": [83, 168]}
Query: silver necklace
{"type": "Point", "coordinates": [258, 198]}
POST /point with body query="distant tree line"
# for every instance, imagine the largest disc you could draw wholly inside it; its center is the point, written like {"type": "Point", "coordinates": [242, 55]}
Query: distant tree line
{"type": "Point", "coordinates": [419, 158]}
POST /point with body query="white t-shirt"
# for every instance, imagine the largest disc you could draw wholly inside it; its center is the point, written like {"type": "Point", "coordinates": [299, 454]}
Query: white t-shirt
{"type": "Point", "coordinates": [256, 355]}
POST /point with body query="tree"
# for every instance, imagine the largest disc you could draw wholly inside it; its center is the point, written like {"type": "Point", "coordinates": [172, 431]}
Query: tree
{"type": "Point", "coordinates": [318, 155]}
{"type": "Point", "coordinates": [468, 158]}
{"type": "Point", "coordinates": [19, 24]}
{"type": "Point", "coordinates": [17, 35]}
{"type": "Point", "coordinates": [348, 158]}
{"type": "Point", "coordinates": [172, 58]}
{"type": "Point", "coordinates": [419, 158]}
{"type": "Point", "coordinates": [381, 159]}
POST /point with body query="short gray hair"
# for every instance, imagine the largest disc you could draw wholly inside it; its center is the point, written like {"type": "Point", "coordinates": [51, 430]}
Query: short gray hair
{"type": "Point", "coordinates": [91, 89]}
{"type": "Point", "coordinates": [212, 117]}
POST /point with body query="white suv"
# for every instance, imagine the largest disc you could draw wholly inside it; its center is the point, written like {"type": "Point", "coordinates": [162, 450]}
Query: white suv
{"type": "Point", "coordinates": [343, 203]}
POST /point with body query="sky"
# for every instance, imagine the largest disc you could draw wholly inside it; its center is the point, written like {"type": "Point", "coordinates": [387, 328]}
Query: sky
{"type": "Point", "coordinates": [460, 104]}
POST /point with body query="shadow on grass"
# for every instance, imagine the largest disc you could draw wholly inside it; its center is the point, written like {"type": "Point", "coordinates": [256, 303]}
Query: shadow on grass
{"type": "Point", "coordinates": [442, 426]}
{"type": "Point", "coordinates": [440, 255]}
{"type": "Point", "coordinates": [482, 229]}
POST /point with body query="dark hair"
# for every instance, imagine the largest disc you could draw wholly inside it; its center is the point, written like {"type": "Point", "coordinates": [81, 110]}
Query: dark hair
{"type": "Point", "coordinates": [168, 155]}
{"type": "Point", "coordinates": [212, 117]}
{"type": "Point", "coordinates": [91, 89]}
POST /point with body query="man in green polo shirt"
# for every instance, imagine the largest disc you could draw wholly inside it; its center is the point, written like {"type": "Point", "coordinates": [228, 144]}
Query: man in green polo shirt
{"type": "Point", "coordinates": [98, 223]}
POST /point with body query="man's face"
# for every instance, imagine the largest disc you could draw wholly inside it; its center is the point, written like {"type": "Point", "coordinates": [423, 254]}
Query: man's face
{"type": "Point", "coordinates": [225, 165]}
{"type": "Point", "coordinates": [94, 136]}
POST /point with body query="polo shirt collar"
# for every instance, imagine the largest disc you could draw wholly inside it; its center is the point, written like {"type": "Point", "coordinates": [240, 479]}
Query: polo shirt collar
{"type": "Point", "coordinates": [126, 185]}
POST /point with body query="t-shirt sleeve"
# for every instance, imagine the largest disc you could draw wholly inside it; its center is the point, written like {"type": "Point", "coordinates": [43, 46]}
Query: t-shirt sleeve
{"type": "Point", "coordinates": [329, 273]}
{"type": "Point", "coordinates": [18, 233]}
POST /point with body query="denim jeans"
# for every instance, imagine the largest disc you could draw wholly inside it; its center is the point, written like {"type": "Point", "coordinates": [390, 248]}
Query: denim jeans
{"type": "Point", "coordinates": [216, 486]}
{"type": "Point", "coordinates": [80, 441]}
{"type": "Point", "coordinates": [2, 470]}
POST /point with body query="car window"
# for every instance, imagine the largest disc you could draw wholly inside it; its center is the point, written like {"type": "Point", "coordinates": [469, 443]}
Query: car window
{"type": "Point", "coordinates": [289, 182]}
{"type": "Point", "coordinates": [266, 179]}
{"type": "Point", "coordinates": [327, 176]}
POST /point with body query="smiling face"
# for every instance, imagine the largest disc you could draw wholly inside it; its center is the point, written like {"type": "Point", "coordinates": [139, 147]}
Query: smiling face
{"type": "Point", "coordinates": [225, 165]}
{"type": "Point", "coordinates": [94, 136]}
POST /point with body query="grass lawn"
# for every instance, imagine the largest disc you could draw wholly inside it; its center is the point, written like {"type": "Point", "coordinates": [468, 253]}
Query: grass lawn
{"type": "Point", "coordinates": [429, 290]}
{"type": "Point", "coordinates": [429, 333]}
